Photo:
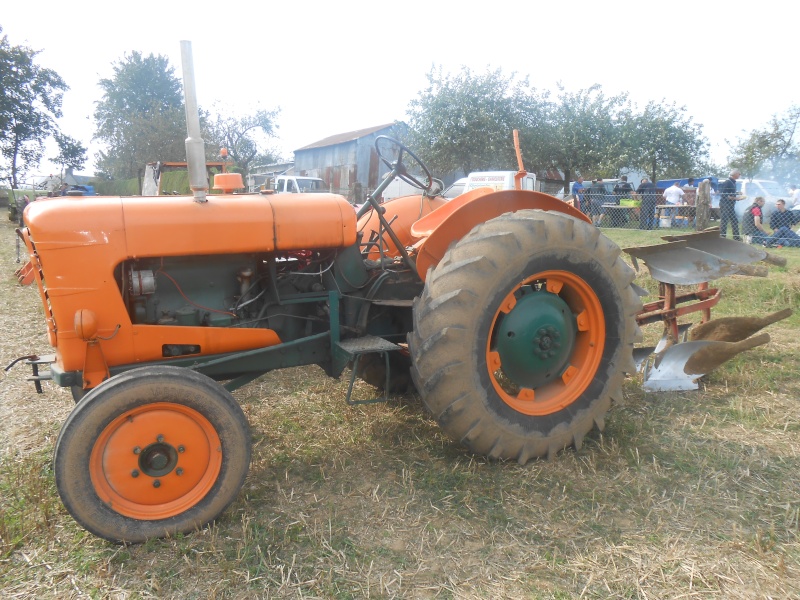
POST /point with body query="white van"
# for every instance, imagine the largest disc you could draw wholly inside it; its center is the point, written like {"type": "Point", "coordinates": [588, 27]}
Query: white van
{"type": "Point", "coordinates": [456, 189]}
{"type": "Point", "coordinates": [291, 184]}
{"type": "Point", "coordinates": [399, 187]}
{"type": "Point", "coordinates": [498, 180]}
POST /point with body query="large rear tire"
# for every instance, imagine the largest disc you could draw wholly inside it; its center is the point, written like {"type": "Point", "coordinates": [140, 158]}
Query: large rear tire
{"type": "Point", "coordinates": [372, 369]}
{"type": "Point", "coordinates": [152, 452]}
{"type": "Point", "coordinates": [523, 334]}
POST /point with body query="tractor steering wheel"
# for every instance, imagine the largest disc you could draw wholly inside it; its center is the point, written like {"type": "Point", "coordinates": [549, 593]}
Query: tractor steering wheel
{"type": "Point", "coordinates": [398, 167]}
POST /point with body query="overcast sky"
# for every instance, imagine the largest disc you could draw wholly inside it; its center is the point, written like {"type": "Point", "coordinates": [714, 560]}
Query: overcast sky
{"type": "Point", "coordinates": [339, 66]}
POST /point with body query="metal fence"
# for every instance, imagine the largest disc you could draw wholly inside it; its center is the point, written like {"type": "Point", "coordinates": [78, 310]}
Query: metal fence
{"type": "Point", "coordinates": [646, 213]}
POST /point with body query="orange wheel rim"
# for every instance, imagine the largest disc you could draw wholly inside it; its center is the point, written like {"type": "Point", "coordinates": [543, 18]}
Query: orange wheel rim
{"type": "Point", "coordinates": [558, 341]}
{"type": "Point", "coordinates": [155, 461]}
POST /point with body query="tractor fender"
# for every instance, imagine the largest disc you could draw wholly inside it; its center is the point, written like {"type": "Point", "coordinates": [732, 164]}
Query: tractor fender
{"type": "Point", "coordinates": [454, 220]}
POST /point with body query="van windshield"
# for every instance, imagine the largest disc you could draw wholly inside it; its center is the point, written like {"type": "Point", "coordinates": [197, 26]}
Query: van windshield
{"type": "Point", "coordinates": [772, 188]}
{"type": "Point", "coordinates": [761, 188]}
{"type": "Point", "coordinates": [311, 185]}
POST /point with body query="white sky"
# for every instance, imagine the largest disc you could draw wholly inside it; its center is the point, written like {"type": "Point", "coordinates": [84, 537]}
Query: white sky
{"type": "Point", "coordinates": [337, 66]}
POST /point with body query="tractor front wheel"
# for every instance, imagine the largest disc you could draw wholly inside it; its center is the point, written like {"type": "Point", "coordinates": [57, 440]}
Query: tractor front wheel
{"type": "Point", "coordinates": [523, 334]}
{"type": "Point", "coordinates": [152, 452]}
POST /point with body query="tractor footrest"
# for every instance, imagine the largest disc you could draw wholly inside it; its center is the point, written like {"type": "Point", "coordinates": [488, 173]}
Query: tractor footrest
{"type": "Point", "coordinates": [367, 345]}
{"type": "Point", "coordinates": [355, 348]}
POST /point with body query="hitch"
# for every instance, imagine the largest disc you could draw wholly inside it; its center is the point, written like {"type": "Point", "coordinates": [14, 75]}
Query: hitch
{"type": "Point", "coordinates": [34, 360]}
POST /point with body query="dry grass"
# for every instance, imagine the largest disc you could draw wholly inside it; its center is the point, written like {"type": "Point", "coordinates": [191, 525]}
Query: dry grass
{"type": "Point", "coordinates": [690, 495]}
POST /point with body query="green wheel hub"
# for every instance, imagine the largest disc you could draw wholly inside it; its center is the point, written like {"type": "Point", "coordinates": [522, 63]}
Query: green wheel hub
{"type": "Point", "coordinates": [535, 340]}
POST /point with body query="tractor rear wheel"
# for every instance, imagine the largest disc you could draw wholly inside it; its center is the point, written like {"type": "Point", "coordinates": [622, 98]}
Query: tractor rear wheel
{"type": "Point", "coordinates": [523, 334]}
{"type": "Point", "coordinates": [372, 369]}
{"type": "Point", "coordinates": [152, 452]}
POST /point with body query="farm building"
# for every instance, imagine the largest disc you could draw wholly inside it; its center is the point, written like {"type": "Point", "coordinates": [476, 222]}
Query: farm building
{"type": "Point", "coordinates": [347, 162]}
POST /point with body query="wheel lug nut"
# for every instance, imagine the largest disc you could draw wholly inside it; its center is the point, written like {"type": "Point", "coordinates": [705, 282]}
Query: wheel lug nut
{"type": "Point", "coordinates": [181, 449]}
{"type": "Point", "coordinates": [160, 438]}
{"type": "Point", "coordinates": [156, 483]}
{"type": "Point", "coordinates": [178, 471]}
{"type": "Point", "coordinates": [137, 450]}
{"type": "Point", "coordinates": [134, 473]}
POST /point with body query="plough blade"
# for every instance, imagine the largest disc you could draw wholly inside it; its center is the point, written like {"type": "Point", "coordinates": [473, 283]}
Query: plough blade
{"type": "Point", "coordinates": [709, 241]}
{"type": "Point", "coordinates": [640, 355]}
{"type": "Point", "coordinates": [679, 264]}
{"type": "Point", "coordinates": [680, 366]}
{"type": "Point", "coordinates": [735, 329]}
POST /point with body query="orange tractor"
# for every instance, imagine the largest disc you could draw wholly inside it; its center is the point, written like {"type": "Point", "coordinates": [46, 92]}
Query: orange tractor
{"type": "Point", "coordinates": [511, 314]}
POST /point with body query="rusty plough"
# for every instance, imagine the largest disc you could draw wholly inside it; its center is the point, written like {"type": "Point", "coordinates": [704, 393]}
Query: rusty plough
{"type": "Point", "coordinates": [686, 351]}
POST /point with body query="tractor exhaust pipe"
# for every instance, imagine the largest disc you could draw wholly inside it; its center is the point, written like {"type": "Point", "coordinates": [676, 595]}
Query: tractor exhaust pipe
{"type": "Point", "coordinates": [195, 148]}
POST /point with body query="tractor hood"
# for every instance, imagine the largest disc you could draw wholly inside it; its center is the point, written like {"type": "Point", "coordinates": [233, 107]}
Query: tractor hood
{"type": "Point", "coordinates": [175, 225]}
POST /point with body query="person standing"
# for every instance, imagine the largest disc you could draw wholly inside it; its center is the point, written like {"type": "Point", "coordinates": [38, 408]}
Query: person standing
{"type": "Point", "coordinates": [690, 192]}
{"type": "Point", "coordinates": [597, 195]}
{"type": "Point", "coordinates": [647, 193]}
{"type": "Point", "coordinates": [623, 189]}
{"type": "Point", "coordinates": [579, 196]}
{"type": "Point", "coordinates": [753, 222]}
{"type": "Point", "coordinates": [673, 195]}
{"type": "Point", "coordinates": [728, 196]}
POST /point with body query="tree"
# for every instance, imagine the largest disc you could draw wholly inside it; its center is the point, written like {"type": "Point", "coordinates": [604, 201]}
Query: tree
{"type": "Point", "coordinates": [581, 133]}
{"type": "Point", "coordinates": [71, 153]}
{"type": "Point", "coordinates": [663, 142]}
{"type": "Point", "coordinates": [140, 117]}
{"type": "Point", "coordinates": [772, 152]}
{"type": "Point", "coordinates": [244, 137]}
{"type": "Point", "coordinates": [463, 122]}
{"type": "Point", "coordinates": [29, 106]}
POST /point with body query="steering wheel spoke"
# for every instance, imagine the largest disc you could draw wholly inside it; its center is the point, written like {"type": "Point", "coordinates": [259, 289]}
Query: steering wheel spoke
{"type": "Point", "coordinates": [398, 167]}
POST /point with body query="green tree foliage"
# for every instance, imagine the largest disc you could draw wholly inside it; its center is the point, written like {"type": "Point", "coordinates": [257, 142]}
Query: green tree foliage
{"type": "Point", "coordinates": [580, 133]}
{"type": "Point", "coordinates": [245, 138]}
{"type": "Point", "coordinates": [140, 117]}
{"type": "Point", "coordinates": [772, 152]}
{"type": "Point", "coordinates": [664, 142]}
{"type": "Point", "coordinates": [30, 103]}
{"type": "Point", "coordinates": [464, 122]}
{"type": "Point", "coordinates": [71, 153]}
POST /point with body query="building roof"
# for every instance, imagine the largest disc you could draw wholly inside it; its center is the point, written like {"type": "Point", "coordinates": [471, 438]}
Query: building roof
{"type": "Point", "coordinates": [341, 138]}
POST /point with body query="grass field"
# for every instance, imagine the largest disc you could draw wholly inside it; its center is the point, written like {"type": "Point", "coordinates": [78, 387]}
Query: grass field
{"type": "Point", "coordinates": [684, 495]}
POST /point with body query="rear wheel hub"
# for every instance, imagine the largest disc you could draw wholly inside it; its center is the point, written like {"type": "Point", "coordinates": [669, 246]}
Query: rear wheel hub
{"type": "Point", "coordinates": [535, 340]}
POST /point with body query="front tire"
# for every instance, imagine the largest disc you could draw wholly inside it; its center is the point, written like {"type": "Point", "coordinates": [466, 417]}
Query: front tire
{"type": "Point", "coordinates": [152, 452]}
{"type": "Point", "coordinates": [523, 334]}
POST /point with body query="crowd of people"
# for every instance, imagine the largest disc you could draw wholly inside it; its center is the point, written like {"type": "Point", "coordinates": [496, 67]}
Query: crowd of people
{"type": "Point", "coordinates": [590, 200]}
{"type": "Point", "coordinates": [753, 219]}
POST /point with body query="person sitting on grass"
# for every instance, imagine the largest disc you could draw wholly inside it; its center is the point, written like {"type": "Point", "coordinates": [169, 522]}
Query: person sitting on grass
{"type": "Point", "coordinates": [753, 222]}
{"type": "Point", "coordinates": [781, 223]}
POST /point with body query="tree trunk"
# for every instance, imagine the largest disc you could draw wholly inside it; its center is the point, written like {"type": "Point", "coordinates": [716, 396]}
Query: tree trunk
{"type": "Point", "coordinates": [702, 205]}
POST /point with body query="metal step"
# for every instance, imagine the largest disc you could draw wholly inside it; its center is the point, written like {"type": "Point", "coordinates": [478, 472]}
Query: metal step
{"type": "Point", "coordinates": [366, 345]}
{"type": "Point", "coordinates": [355, 348]}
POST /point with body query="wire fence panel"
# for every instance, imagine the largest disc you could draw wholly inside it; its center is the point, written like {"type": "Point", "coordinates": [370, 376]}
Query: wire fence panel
{"type": "Point", "coordinates": [627, 213]}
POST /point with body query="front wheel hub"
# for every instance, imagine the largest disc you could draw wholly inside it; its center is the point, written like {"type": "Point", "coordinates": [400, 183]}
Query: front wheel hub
{"type": "Point", "coordinates": [158, 459]}
{"type": "Point", "coordinates": [535, 339]}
